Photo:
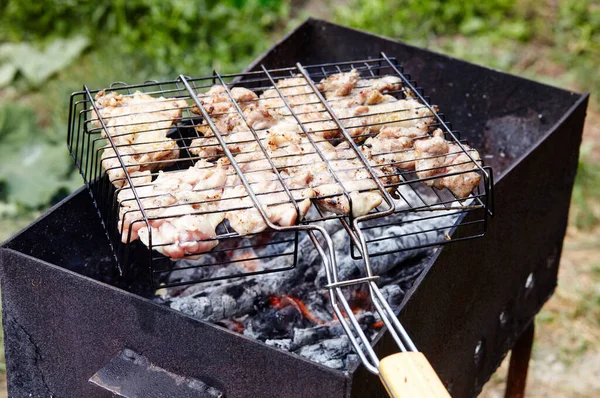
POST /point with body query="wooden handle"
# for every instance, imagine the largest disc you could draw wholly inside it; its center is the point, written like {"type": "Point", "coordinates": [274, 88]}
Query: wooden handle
{"type": "Point", "coordinates": [410, 375]}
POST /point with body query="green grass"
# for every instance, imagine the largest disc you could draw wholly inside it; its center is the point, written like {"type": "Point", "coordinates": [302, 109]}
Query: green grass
{"type": "Point", "coordinates": [586, 192]}
{"type": "Point", "coordinates": [505, 34]}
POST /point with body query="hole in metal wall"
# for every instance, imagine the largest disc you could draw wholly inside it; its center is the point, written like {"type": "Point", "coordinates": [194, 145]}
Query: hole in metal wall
{"type": "Point", "coordinates": [503, 319]}
{"type": "Point", "coordinates": [479, 352]}
{"type": "Point", "coordinates": [529, 282]}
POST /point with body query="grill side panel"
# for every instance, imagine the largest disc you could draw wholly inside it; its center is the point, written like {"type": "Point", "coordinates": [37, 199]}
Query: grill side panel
{"type": "Point", "coordinates": [60, 328]}
{"type": "Point", "coordinates": [487, 292]}
{"type": "Point", "coordinates": [533, 132]}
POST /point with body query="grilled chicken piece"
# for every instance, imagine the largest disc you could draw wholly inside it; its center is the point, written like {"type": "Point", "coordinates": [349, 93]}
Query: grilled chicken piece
{"type": "Point", "coordinates": [138, 124]}
{"type": "Point", "coordinates": [354, 178]}
{"type": "Point", "coordinates": [383, 84]}
{"type": "Point", "coordinates": [370, 92]}
{"type": "Point", "coordinates": [457, 161]}
{"type": "Point", "coordinates": [400, 113]}
{"type": "Point", "coordinates": [339, 84]}
{"type": "Point", "coordinates": [431, 157]}
{"type": "Point", "coordinates": [317, 120]}
{"type": "Point", "coordinates": [182, 210]}
{"type": "Point", "coordinates": [112, 165]}
{"type": "Point", "coordinates": [352, 174]}
{"type": "Point", "coordinates": [183, 233]}
{"type": "Point", "coordinates": [305, 105]}
{"type": "Point", "coordinates": [272, 197]}
{"type": "Point", "coordinates": [217, 102]}
{"type": "Point", "coordinates": [237, 141]}
{"type": "Point", "coordinates": [296, 92]}
{"type": "Point", "coordinates": [399, 132]}
{"type": "Point", "coordinates": [222, 111]}
{"type": "Point", "coordinates": [394, 151]}
{"type": "Point", "coordinates": [393, 146]}
{"type": "Point", "coordinates": [231, 125]}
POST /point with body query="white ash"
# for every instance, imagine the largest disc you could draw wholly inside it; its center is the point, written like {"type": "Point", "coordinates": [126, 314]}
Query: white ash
{"type": "Point", "coordinates": [268, 307]}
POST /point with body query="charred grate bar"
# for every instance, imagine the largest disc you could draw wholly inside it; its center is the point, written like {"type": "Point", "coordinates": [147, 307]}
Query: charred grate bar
{"type": "Point", "coordinates": [128, 140]}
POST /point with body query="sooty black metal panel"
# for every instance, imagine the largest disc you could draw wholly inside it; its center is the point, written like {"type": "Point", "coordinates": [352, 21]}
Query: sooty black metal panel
{"type": "Point", "coordinates": [475, 292]}
{"type": "Point", "coordinates": [488, 303]}
{"type": "Point", "coordinates": [61, 328]}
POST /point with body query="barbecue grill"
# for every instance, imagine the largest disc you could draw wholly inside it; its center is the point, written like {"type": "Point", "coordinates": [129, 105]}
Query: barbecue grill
{"type": "Point", "coordinates": [438, 310]}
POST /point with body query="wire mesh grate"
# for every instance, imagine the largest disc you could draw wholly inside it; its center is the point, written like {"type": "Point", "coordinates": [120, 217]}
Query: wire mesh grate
{"type": "Point", "coordinates": [243, 165]}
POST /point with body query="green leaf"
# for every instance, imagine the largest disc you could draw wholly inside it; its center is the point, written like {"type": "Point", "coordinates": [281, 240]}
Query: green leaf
{"type": "Point", "coordinates": [7, 74]}
{"type": "Point", "coordinates": [472, 25]}
{"type": "Point", "coordinates": [33, 168]}
{"type": "Point", "coordinates": [34, 173]}
{"type": "Point", "coordinates": [38, 65]}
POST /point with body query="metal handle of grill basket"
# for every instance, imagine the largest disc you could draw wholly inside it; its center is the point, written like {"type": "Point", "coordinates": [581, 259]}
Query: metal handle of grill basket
{"type": "Point", "coordinates": [409, 374]}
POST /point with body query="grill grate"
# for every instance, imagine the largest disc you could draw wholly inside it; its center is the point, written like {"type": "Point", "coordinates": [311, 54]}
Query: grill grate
{"type": "Point", "coordinates": [143, 143]}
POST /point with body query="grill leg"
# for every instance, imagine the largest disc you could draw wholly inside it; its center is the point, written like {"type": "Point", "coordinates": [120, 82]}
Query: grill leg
{"type": "Point", "coordinates": [519, 364]}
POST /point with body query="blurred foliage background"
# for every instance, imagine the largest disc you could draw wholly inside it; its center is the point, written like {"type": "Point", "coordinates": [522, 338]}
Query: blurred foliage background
{"type": "Point", "coordinates": [50, 48]}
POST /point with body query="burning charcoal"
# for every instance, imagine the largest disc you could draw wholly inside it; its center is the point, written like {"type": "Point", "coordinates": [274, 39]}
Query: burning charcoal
{"type": "Point", "coordinates": [232, 324]}
{"type": "Point", "coordinates": [349, 268]}
{"type": "Point", "coordinates": [393, 295]}
{"type": "Point", "coordinates": [282, 344]}
{"type": "Point", "coordinates": [290, 310]}
{"type": "Point", "coordinates": [331, 352]}
{"type": "Point", "coordinates": [312, 335]}
{"type": "Point", "coordinates": [275, 322]}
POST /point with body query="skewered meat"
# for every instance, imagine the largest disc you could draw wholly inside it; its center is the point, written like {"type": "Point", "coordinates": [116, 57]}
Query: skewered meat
{"type": "Point", "coordinates": [138, 125]}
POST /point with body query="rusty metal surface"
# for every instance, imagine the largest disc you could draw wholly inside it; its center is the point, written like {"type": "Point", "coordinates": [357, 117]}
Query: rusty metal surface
{"type": "Point", "coordinates": [465, 312]}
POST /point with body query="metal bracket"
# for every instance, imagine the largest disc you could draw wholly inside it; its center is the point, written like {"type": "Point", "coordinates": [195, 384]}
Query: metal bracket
{"type": "Point", "coordinates": [132, 375]}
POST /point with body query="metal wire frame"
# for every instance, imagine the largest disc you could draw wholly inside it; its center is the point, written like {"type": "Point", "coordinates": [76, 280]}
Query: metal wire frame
{"type": "Point", "coordinates": [86, 143]}
{"type": "Point", "coordinates": [260, 82]}
{"type": "Point", "coordinates": [89, 130]}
